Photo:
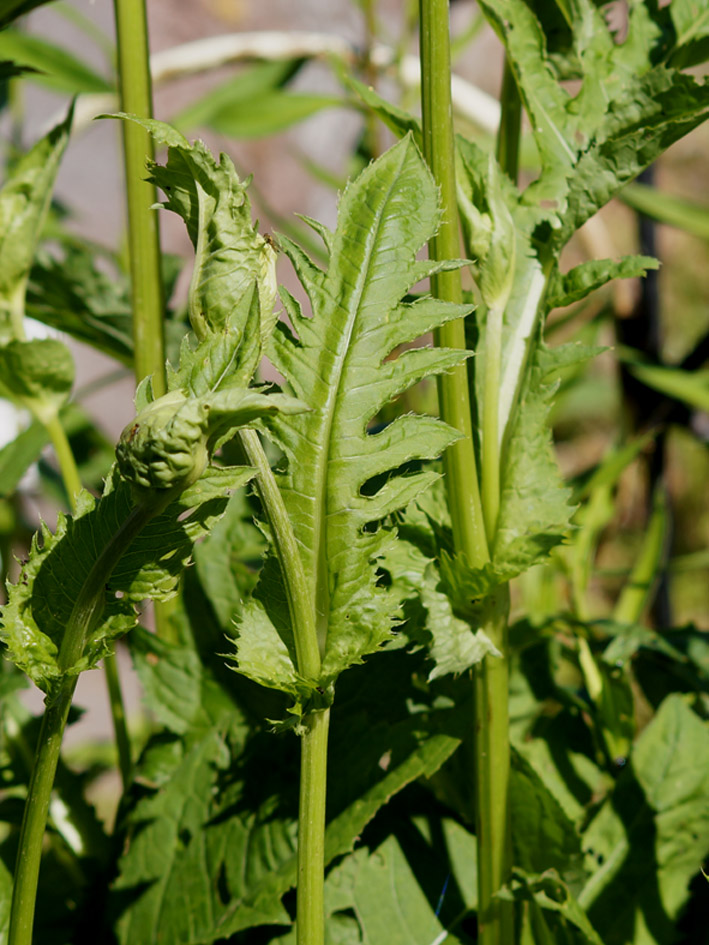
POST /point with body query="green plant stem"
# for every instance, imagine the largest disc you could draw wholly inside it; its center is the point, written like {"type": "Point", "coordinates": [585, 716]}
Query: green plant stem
{"type": "Point", "coordinates": [310, 920]}
{"type": "Point", "coordinates": [296, 584]}
{"type": "Point", "coordinates": [65, 458]}
{"type": "Point", "coordinates": [508, 135]}
{"type": "Point", "coordinates": [492, 740]}
{"type": "Point", "coordinates": [84, 616]}
{"type": "Point", "coordinates": [34, 821]}
{"type": "Point", "coordinates": [492, 753]}
{"type": "Point", "coordinates": [143, 228]}
{"type": "Point", "coordinates": [118, 714]}
{"type": "Point", "coordinates": [143, 234]}
{"type": "Point", "coordinates": [454, 399]}
{"type": "Point", "coordinates": [637, 592]}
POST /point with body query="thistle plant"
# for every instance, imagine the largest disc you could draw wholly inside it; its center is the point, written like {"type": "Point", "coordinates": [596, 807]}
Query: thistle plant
{"type": "Point", "coordinates": [357, 738]}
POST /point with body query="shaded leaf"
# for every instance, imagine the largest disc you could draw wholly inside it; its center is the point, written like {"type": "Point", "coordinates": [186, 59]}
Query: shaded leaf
{"type": "Point", "coordinates": [650, 837]}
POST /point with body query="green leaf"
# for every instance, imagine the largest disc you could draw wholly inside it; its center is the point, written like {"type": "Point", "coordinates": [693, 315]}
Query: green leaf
{"type": "Point", "coordinates": [382, 889]}
{"type": "Point", "coordinates": [72, 294]}
{"type": "Point", "coordinates": [37, 374]}
{"type": "Point", "coordinates": [17, 456]}
{"type": "Point", "coordinates": [227, 560]}
{"type": "Point", "coordinates": [689, 387]}
{"type": "Point", "coordinates": [41, 602]}
{"type": "Point", "coordinates": [341, 478]}
{"type": "Point", "coordinates": [650, 837]}
{"type": "Point", "coordinates": [668, 208]}
{"type": "Point", "coordinates": [577, 283]}
{"type": "Point", "coordinates": [543, 837]}
{"type": "Point", "coordinates": [451, 643]}
{"type": "Point", "coordinates": [229, 253]}
{"type": "Point", "coordinates": [534, 504]}
{"type": "Point", "coordinates": [690, 19]}
{"type": "Point", "coordinates": [210, 850]}
{"type": "Point", "coordinates": [265, 114]}
{"type": "Point", "coordinates": [51, 66]}
{"type": "Point", "coordinates": [653, 112]}
{"type": "Point", "coordinates": [253, 82]}
{"type": "Point", "coordinates": [24, 201]}
{"type": "Point", "coordinates": [394, 117]}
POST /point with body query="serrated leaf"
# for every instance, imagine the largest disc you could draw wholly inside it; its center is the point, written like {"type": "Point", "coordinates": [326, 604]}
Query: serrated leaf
{"type": "Point", "coordinates": [24, 201]}
{"type": "Point", "coordinates": [534, 504]}
{"type": "Point", "coordinates": [577, 283]}
{"type": "Point", "coordinates": [37, 374]}
{"type": "Point", "coordinates": [650, 837]}
{"type": "Point", "coordinates": [336, 366]}
{"type": "Point", "coordinates": [42, 600]}
{"type": "Point", "coordinates": [217, 832]}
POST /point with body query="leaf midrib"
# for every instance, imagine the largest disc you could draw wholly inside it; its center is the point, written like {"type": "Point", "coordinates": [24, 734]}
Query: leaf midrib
{"type": "Point", "coordinates": [321, 586]}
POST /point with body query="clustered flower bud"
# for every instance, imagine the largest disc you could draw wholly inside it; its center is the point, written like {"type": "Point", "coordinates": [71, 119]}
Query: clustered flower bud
{"type": "Point", "coordinates": [165, 447]}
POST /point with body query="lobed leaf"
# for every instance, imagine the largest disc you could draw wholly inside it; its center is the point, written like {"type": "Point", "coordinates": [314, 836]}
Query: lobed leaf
{"type": "Point", "coordinates": [577, 283]}
{"type": "Point", "coordinates": [341, 478]}
{"type": "Point", "coordinates": [40, 603]}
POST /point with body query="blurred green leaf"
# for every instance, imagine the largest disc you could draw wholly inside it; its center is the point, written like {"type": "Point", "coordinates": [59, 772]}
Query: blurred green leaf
{"type": "Point", "coordinates": [51, 66]}
{"type": "Point", "coordinates": [228, 111]}
{"type": "Point", "coordinates": [667, 208]}
{"type": "Point", "coordinates": [37, 374]}
{"type": "Point", "coordinates": [689, 387]}
{"type": "Point", "coordinates": [18, 455]}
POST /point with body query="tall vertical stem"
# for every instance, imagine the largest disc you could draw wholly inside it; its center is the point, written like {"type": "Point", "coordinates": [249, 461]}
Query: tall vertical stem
{"type": "Point", "coordinates": [143, 235]}
{"type": "Point", "coordinates": [492, 741]}
{"type": "Point", "coordinates": [143, 231]}
{"type": "Point", "coordinates": [310, 924]}
{"type": "Point", "coordinates": [310, 920]}
{"type": "Point", "coordinates": [492, 775]}
{"type": "Point", "coordinates": [460, 466]}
